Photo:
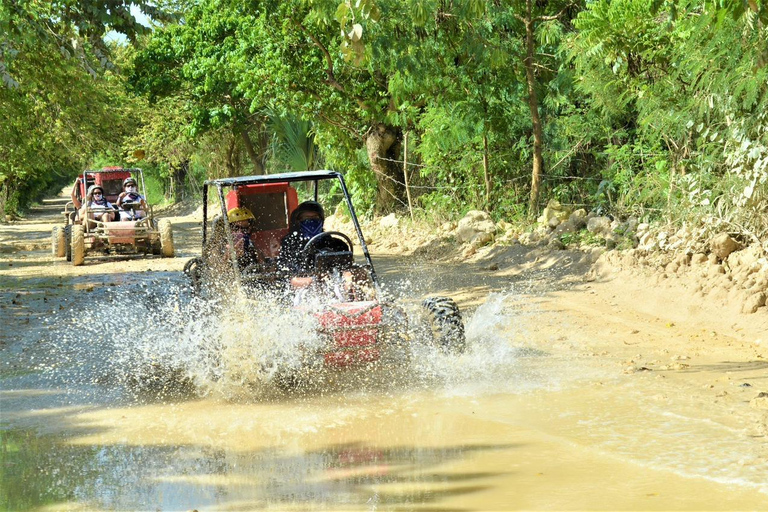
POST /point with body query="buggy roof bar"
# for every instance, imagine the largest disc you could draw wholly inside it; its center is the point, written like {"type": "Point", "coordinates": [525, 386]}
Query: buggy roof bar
{"type": "Point", "coordinates": [113, 169]}
{"type": "Point", "coordinates": [283, 178]}
{"type": "Point", "coordinates": [275, 178]}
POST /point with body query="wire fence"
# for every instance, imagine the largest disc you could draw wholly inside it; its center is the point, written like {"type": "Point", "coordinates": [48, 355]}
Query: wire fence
{"type": "Point", "coordinates": [517, 179]}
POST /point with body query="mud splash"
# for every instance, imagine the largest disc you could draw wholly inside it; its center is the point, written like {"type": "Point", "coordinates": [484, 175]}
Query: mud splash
{"type": "Point", "coordinates": [157, 340]}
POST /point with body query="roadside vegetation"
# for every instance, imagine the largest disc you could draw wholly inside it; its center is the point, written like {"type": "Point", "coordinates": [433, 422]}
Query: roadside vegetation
{"type": "Point", "coordinates": [655, 110]}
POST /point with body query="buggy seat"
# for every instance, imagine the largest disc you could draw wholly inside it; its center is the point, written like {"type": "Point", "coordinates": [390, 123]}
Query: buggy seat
{"type": "Point", "coordinates": [112, 182]}
{"type": "Point", "coordinates": [271, 205]}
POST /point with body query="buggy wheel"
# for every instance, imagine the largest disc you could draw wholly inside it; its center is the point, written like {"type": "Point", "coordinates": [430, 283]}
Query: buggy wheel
{"type": "Point", "coordinates": [193, 270]}
{"type": "Point", "coordinates": [447, 328]}
{"type": "Point", "coordinates": [77, 245]}
{"type": "Point", "coordinates": [68, 241]}
{"type": "Point", "coordinates": [166, 238]}
{"type": "Point", "coordinates": [57, 242]}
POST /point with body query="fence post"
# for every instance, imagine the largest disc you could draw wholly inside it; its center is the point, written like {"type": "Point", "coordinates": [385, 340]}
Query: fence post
{"type": "Point", "coordinates": [405, 173]}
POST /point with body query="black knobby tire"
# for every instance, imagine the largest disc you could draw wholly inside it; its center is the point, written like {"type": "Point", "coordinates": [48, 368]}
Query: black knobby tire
{"type": "Point", "coordinates": [445, 323]}
{"type": "Point", "coordinates": [166, 238]}
{"type": "Point", "coordinates": [68, 241]}
{"type": "Point", "coordinates": [193, 270]}
{"type": "Point", "coordinates": [77, 245]}
{"type": "Point", "coordinates": [57, 242]}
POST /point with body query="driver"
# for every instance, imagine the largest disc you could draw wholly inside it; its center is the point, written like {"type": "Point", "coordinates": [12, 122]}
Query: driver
{"type": "Point", "coordinates": [305, 223]}
{"type": "Point", "coordinates": [131, 194]}
{"type": "Point", "coordinates": [95, 200]}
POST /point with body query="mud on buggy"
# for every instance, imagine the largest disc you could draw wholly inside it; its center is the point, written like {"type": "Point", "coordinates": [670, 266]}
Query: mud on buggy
{"type": "Point", "coordinates": [133, 234]}
{"type": "Point", "coordinates": [357, 321]}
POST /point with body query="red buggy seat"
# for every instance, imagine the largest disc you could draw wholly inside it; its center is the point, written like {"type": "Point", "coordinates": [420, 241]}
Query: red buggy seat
{"type": "Point", "coordinates": [271, 205]}
{"type": "Point", "coordinates": [111, 182]}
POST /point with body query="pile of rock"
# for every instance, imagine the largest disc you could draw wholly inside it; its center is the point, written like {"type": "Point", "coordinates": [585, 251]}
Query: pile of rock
{"type": "Point", "coordinates": [556, 221]}
{"type": "Point", "coordinates": [722, 268]}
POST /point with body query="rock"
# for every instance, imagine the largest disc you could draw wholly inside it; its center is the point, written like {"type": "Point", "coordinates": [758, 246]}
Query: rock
{"type": "Point", "coordinates": [447, 227]}
{"type": "Point", "coordinates": [390, 221]}
{"type": "Point", "coordinates": [760, 401]}
{"type": "Point", "coordinates": [748, 258]}
{"type": "Point", "coordinates": [481, 239]}
{"type": "Point", "coordinates": [556, 244]}
{"type": "Point", "coordinates": [474, 222]}
{"type": "Point", "coordinates": [698, 259]}
{"type": "Point", "coordinates": [599, 225]}
{"type": "Point", "coordinates": [553, 215]}
{"type": "Point", "coordinates": [647, 242]}
{"type": "Point", "coordinates": [469, 251]}
{"type": "Point", "coordinates": [503, 226]}
{"type": "Point", "coordinates": [565, 227]}
{"type": "Point", "coordinates": [723, 245]}
{"type": "Point", "coordinates": [683, 260]}
{"type": "Point", "coordinates": [528, 238]}
{"type": "Point", "coordinates": [753, 302]}
{"type": "Point", "coordinates": [578, 219]}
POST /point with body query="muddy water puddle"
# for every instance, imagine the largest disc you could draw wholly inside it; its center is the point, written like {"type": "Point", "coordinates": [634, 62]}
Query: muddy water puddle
{"type": "Point", "coordinates": [508, 425]}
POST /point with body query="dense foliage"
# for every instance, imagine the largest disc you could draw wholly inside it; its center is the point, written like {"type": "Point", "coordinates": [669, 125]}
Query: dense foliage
{"type": "Point", "coordinates": [633, 107]}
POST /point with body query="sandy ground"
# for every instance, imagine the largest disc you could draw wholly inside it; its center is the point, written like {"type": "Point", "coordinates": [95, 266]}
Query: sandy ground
{"type": "Point", "coordinates": [625, 392]}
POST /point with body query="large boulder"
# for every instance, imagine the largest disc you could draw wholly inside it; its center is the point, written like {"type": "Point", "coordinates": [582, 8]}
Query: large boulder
{"type": "Point", "coordinates": [473, 223]}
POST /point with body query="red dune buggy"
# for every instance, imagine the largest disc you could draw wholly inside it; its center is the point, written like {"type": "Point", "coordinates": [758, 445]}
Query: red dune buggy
{"type": "Point", "coordinates": [357, 323]}
{"type": "Point", "coordinates": [133, 229]}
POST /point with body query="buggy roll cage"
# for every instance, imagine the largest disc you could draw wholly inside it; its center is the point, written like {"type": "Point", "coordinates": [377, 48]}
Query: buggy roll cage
{"type": "Point", "coordinates": [291, 177]}
{"type": "Point", "coordinates": [89, 175]}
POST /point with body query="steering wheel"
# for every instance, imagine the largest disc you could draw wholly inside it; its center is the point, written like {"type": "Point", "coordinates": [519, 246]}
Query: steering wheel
{"type": "Point", "coordinates": [311, 247]}
{"type": "Point", "coordinates": [130, 205]}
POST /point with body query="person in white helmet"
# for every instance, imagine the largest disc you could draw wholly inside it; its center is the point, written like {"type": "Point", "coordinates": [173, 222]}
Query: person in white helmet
{"type": "Point", "coordinates": [96, 206]}
{"type": "Point", "coordinates": [136, 202]}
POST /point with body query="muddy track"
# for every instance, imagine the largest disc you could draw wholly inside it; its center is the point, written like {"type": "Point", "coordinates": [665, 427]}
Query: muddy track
{"type": "Point", "coordinates": [579, 392]}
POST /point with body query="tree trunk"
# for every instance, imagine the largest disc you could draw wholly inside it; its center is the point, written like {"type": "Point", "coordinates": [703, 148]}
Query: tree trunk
{"type": "Point", "coordinates": [178, 177]}
{"type": "Point", "coordinates": [383, 145]}
{"type": "Point", "coordinates": [533, 106]}
{"type": "Point", "coordinates": [231, 158]}
{"type": "Point", "coordinates": [258, 165]}
{"type": "Point", "coordinates": [6, 191]}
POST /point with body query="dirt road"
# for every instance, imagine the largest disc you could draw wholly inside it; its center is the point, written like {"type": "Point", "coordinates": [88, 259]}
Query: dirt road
{"type": "Point", "coordinates": [577, 393]}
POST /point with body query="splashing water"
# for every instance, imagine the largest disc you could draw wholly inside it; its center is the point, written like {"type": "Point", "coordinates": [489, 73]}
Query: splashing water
{"type": "Point", "coordinates": [166, 338]}
{"type": "Point", "coordinates": [159, 337]}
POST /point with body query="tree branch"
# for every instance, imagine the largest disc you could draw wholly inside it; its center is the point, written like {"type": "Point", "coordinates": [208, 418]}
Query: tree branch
{"type": "Point", "coordinates": [331, 80]}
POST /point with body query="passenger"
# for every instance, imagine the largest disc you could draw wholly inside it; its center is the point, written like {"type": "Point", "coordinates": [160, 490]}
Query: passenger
{"type": "Point", "coordinates": [130, 194]}
{"type": "Point", "coordinates": [95, 200]}
{"type": "Point", "coordinates": [240, 222]}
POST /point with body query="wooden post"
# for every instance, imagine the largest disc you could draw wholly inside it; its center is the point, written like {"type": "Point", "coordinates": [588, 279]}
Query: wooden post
{"type": "Point", "coordinates": [405, 173]}
{"type": "Point", "coordinates": [486, 173]}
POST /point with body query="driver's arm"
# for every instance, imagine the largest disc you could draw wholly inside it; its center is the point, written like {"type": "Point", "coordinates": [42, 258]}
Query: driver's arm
{"type": "Point", "coordinates": [120, 198]}
{"type": "Point", "coordinates": [75, 201]}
